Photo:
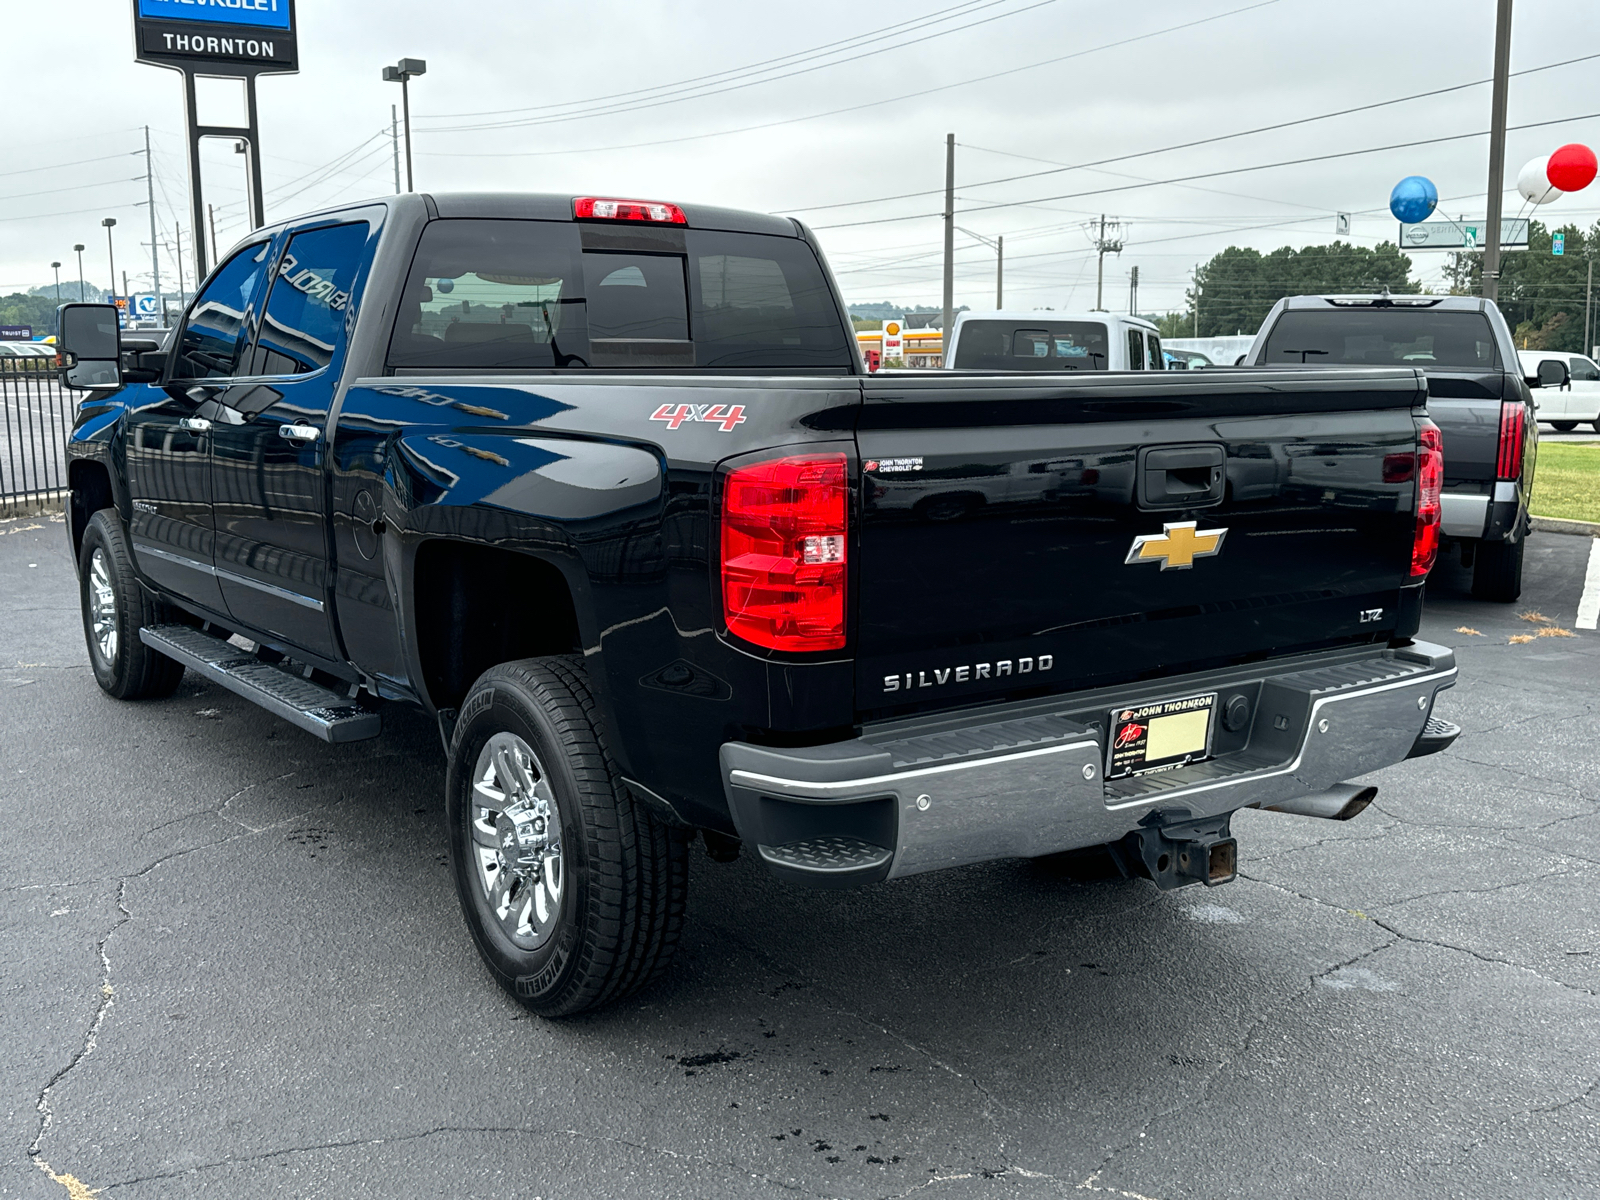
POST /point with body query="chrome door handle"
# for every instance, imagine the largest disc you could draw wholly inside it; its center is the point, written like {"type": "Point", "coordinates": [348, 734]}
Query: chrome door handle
{"type": "Point", "coordinates": [197, 424]}
{"type": "Point", "coordinates": [299, 433]}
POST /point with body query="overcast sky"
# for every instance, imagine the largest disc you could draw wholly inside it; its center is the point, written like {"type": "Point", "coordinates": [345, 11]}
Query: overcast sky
{"type": "Point", "coordinates": [615, 99]}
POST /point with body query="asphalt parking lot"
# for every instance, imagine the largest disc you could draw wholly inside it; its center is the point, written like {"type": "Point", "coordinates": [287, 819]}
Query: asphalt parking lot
{"type": "Point", "coordinates": [231, 964]}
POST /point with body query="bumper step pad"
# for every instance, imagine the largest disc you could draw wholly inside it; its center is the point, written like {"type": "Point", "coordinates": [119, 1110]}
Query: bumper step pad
{"type": "Point", "coordinates": [827, 854]}
{"type": "Point", "coordinates": [318, 710]}
{"type": "Point", "coordinates": [1437, 735]}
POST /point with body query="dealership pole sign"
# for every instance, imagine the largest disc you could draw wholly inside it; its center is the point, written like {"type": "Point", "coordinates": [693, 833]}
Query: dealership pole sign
{"type": "Point", "coordinates": [229, 39]}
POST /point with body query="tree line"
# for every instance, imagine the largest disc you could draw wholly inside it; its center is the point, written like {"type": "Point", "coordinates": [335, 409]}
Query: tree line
{"type": "Point", "coordinates": [1541, 294]}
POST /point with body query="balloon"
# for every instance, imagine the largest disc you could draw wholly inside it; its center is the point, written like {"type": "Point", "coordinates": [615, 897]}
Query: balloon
{"type": "Point", "coordinates": [1534, 183]}
{"type": "Point", "coordinates": [1413, 199]}
{"type": "Point", "coordinates": [1572, 168]}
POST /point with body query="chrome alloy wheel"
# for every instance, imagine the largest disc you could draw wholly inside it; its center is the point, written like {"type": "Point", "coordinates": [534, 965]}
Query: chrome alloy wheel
{"type": "Point", "coordinates": [103, 605]}
{"type": "Point", "coordinates": [516, 835]}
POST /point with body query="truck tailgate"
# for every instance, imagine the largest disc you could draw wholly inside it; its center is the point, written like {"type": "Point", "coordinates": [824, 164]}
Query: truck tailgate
{"type": "Point", "coordinates": [1000, 547]}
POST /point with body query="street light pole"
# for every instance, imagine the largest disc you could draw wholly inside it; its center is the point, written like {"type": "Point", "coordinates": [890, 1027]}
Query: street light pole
{"type": "Point", "coordinates": [79, 248]}
{"type": "Point", "coordinates": [949, 236]}
{"type": "Point", "coordinates": [111, 252]}
{"type": "Point", "coordinates": [998, 245]}
{"type": "Point", "coordinates": [402, 73]}
{"type": "Point", "coordinates": [56, 267]}
{"type": "Point", "coordinates": [1497, 149]}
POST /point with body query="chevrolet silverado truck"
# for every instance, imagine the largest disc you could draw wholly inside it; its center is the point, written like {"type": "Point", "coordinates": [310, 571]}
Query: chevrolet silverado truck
{"type": "Point", "coordinates": [1477, 393]}
{"type": "Point", "coordinates": [602, 486]}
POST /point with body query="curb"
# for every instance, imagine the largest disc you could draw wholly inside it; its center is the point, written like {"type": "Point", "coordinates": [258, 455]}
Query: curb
{"type": "Point", "coordinates": [32, 504]}
{"type": "Point", "coordinates": [1562, 525]}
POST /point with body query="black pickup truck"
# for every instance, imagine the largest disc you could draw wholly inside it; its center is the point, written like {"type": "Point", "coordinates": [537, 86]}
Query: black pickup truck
{"type": "Point", "coordinates": [1476, 393]}
{"type": "Point", "coordinates": [604, 487]}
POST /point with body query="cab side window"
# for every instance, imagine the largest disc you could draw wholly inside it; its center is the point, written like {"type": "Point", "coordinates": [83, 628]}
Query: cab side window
{"type": "Point", "coordinates": [1153, 360]}
{"type": "Point", "coordinates": [1584, 371]}
{"type": "Point", "coordinates": [1135, 350]}
{"type": "Point", "coordinates": [214, 336]}
{"type": "Point", "coordinates": [304, 320]}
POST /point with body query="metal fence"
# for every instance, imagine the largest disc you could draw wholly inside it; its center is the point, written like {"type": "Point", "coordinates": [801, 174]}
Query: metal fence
{"type": "Point", "coordinates": [36, 415]}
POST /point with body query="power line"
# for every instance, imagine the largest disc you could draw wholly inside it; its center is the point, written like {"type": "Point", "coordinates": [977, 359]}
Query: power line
{"type": "Point", "coordinates": [77, 187]}
{"type": "Point", "coordinates": [833, 112]}
{"type": "Point", "coordinates": [1288, 162]}
{"type": "Point", "coordinates": [1060, 167]}
{"type": "Point", "coordinates": [933, 18]}
{"type": "Point", "coordinates": [612, 110]}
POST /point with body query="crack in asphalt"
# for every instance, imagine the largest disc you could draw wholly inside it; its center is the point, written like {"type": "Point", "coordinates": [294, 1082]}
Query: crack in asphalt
{"type": "Point", "coordinates": [441, 1130]}
{"type": "Point", "coordinates": [1241, 1049]}
{"type": "Point", "coordinates": [107, 999]}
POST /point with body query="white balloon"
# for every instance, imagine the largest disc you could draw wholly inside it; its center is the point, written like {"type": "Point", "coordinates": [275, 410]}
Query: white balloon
{"type": "Point", "coordinates": [1534, 183]}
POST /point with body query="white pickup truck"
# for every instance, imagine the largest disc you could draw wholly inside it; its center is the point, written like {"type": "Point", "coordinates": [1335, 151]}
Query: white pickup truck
{"type": "Point", "coordinates": [1054, 341]}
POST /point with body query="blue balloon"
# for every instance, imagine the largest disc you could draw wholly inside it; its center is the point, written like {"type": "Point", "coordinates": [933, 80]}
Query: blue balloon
{"type": "Point", "coordinates": [449, 285]}
{"type": "Point", "coordinates": [1413, 200]}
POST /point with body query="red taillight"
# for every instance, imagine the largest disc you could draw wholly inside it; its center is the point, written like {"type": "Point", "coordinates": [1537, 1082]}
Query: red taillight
{"type": "Point", "coordinates": [1430, 483]}
{"type": "Point", "coordinates": [1508, 462]}
{"type": "Point", "coordinates": [591, 208]}
{"type": "Point", "coordinates": [785, 525]}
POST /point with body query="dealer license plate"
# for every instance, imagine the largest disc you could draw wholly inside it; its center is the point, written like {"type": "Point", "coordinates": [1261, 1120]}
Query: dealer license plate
{"type": "Point", "coordinates": [1160, 737]}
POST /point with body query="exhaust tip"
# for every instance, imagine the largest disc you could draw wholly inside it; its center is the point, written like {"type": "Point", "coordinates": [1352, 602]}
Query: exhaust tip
{"type": "Point", "coordinates": [1358, 804]}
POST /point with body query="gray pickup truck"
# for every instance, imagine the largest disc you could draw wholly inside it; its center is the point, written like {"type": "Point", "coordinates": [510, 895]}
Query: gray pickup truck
{"type": "Point", "coordinates": [1477, 395]}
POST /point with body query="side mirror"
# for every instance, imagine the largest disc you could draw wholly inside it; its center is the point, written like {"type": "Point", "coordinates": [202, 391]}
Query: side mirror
{"type": "Point", "coordinates": [1552, 373]}
{"type": "Point", "coordinates": [89, 346]}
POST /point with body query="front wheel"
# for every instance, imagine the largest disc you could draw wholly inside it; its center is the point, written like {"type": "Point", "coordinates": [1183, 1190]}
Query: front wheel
{"type": "Point", "coordinates": [1497, 571]}
{"type": "Point", "coordinates": [573, 892]}
{"type": "Point", "coordinates": [115, 608]}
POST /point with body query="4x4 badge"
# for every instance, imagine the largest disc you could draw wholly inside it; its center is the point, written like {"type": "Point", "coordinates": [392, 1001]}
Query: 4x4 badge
{"type": "Point", "coordinates": [1177, 546]}
{"type": "Point", "coordinates": [726, 416]}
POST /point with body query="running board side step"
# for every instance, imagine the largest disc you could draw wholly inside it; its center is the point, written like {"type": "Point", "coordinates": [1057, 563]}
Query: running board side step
{"type": "Point", "coordinates": [314, 708]}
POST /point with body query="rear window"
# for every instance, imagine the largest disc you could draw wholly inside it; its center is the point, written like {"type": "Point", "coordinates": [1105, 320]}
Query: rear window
{"type": "Point", "coordinates": [1382, 337]}
{"type": "Point", "coordinates": [1040, 346]}
{"type": "Point", "coordinates": [543, 295]}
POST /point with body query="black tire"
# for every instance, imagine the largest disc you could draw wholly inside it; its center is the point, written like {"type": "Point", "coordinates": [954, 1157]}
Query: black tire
{"type": "Point", "coordinates": [123, 665]}
{"type": "Point", "coordinates": [1566, 426]}
{"type": "Point", "coordinates": [1497, 571]}
{"type": "Point", "coordinates": [623, 872]}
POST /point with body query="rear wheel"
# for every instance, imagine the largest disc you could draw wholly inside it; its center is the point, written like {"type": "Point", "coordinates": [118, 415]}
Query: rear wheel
{"type": "Point", "coordinates": [573, 892]}
{"type": "Point", "coordinates": [1497, 571]}
{"type": "Point", "coordinates": [115, 608]}
{"type": "Point", "coordinates": [1567, 426]}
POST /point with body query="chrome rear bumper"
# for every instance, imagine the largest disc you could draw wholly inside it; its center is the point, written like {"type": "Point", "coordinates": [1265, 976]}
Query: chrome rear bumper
{"type": "Point", "coordinates": [1021, 781]}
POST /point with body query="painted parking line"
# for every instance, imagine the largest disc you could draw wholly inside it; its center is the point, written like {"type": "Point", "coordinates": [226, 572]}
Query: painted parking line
{"type": "Point", "coordinates": [1589, 606]}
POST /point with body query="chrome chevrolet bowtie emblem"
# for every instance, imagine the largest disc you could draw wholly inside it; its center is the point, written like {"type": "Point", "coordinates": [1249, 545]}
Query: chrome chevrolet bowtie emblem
{"type": "Point", "coordinates": [1176, 546]}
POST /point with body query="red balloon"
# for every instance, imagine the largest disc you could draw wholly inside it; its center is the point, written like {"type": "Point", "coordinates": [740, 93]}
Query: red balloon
{"type": "Point", "coordinates": [1572, 167]}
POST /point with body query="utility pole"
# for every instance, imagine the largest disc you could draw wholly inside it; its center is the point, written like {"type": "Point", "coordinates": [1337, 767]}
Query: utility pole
{"type": "Point", "coordinates": [1197, 300]}
{"type": "Point", "coordinates": [1105, 245]}
{"type": "Point", "coordinates": [1133, 292]}
{"type": "Point", "coordinates": [1589, 292]}
{"type": "Point", "coordinates": [177, 235]}
{"type": "Point", "coordinates": [79, 249]}
{"type": "Point", "coordinates": [402, 73]}
{"type": "Point", "coordinates": [949, 236]}
{"type": "Point", "coordinates": [394, 134]}
{"type": "Point", "coordinates": [150, 196]}
{"type": "Point", "coordinates": [211, 216]}
{"type": "Point", "coordinates": [111, 252]}
{"type": "Point", "coordinates": [1497, 149]}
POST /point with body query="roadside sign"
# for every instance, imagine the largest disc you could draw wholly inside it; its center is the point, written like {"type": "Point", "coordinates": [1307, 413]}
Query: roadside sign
{"type": "Point", "coordinates": [1444, 234]}
{"type": "Point", "coordinates": [1341, 224]}
{"type": "Point", "coordinates": [144, 305]}
{"type": "Point", "coordinates": [16, 333]}
{"type": "Point", "coordinates": [241, 37]}
{"type": "Point", "coordinates": [893, 340]}
{"type": "Point", "coordinates": [1558, 244]}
